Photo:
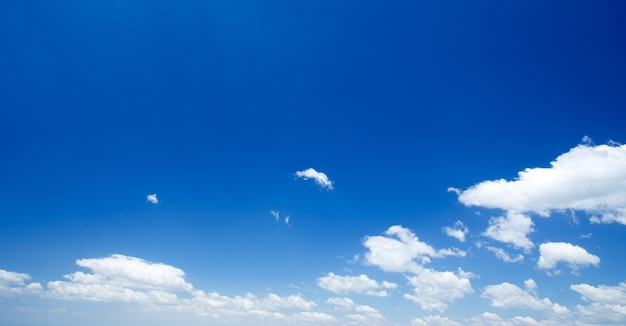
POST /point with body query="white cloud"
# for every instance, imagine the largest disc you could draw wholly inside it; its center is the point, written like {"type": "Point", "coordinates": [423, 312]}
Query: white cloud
{"type": "Point", "coordinates": [504, 256]}
{"type": "Point", "coordinates": [357, 284]}
{"type": "Point", "coordinates": [434, 321]}
{"type": "Point", "coordinates": [398, 249]}
{"type": "Point", "coordinates": [551, 253]}
{"type": "Point", "coordinates": [512, 229]}
{"type": "Point", "coordinates": [607, 304]}
{"type": "Point", "coordinates": [153, 199]}
{"type": "Point", "coordinates": [363, 314]}
{"type": "Point", "coordinates": [588, 178]}
{"type": "Point", "coordinates": [507, 295]}
{"type": "Point", "coordinates": [12, 283]}
{"type": "Point", "coordinates": [458, 231]}
{"type": "Point", "coordinates": [320, 178]}
{"type": "Point", "coordinates": [316, 317]}
{"type": "Point", "coordinates": [276, 214]}
{"type": "Point", "coordinates": [434, 289]}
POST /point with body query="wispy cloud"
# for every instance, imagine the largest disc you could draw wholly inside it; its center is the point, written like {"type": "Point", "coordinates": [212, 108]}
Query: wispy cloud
{"type": "Point", "coordinates": [504, 256]}
{"type": "Point", "coordinates": [152, 198]}
{"type": "Point", "coordinates": [320, 177]}
{"type": "Point", "coordinates": [276, 215]}
{"type": "Point", "coordinates": [457, 231]}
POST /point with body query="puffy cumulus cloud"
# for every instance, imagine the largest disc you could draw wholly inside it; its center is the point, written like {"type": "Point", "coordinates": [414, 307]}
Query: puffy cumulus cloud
{"type": "Point", "coordinates": [607, 304]}
{"type": "Point", "coordinates": [131, 272]}
{"type": "Point", "coordinates": [433, 290]}
{"type": "Point", "coordinates": [551, 253]}
{"type": "Point", "coordinates": [507, 295]}
{"type": "Point", "coordinates": [587, 178]}
{"type": "Point", "coordinates": [511, 229]}
{"type": "Point", "coordinates": [12, 283]}
{"type": "Point", "coordinates": [319, 177]}
{"type": "Point", "coordinates": [398, 250]}
{"type": "Point", "coordinates": [457, 231]}
{"type": "Point", "coordinates": [504, 256]}
{"type": "Point", "coordinates": [435, 320]}
{"type": "Point", "coordinates": [152, 198]}
{"type": "Point", "coordinates": [357, 284]}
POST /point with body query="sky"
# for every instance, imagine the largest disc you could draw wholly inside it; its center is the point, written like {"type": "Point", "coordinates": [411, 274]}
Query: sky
{"type": "Point", "coordinates": [312, 163]}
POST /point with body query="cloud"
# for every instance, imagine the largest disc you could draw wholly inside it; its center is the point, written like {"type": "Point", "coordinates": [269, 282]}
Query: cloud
{"type": "Point", "coordinates": [362, 314]}
{"type": "Point", "coordinates": [507, 295]}
{"type": "Point", "coordinates": [275, 214]}
{"type": "Point", "coordinates": [458, 231]}
{"type": "Point", "coordinates": [512, 229]}
{"type": "Point", "coordinates": [504, 256]}
{"type": "Point", "coordinates": [551, 253]}
{"type": "Point", "coordinates": [607, 304]}
{"type": "Point", "coordinates": [320, 178]}
{"type": "Point", "coordinates": [434, 321]}
{"type": "Point", "coordinates": [434, 289]}
{"type": "Point", "coordinates": [588, 178]}
{"type": "Point", "coordinates": [12, 283]}
{"type": "Point", "coordinates": [398, 249]}
{"type": "Point", "coordinates": [357, 284]}
{"type": "Point", "coordinates": [153, 199]}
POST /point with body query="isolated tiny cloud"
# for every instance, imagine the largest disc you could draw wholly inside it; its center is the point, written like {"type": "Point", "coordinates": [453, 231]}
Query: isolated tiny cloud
{"type": "Point", "coordinates": [458, 231]}
{"type": "Point", "coordinates": [153, 199]}
{"type": "Point", "coordinates": [587, 178]}
{"type": "Point", "coordinates": [320, 177]}
{"type": "Point", "coordinates": [551, 253]}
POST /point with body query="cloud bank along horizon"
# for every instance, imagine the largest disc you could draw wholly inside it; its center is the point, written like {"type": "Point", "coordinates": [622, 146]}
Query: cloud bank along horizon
{"type": "Point", "coordinates": [588, 179]}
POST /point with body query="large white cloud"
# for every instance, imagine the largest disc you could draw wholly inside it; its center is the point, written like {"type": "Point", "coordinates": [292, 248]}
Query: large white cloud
{"type": "Point", "coordinates": [588, 178]}
{"type": "Point", "coordinates": [398, 250]}
{"type": "Point", "coordinates": [357, 284]}
{"type": "Point", "coordinates": [507, 295]}
{"type": "Point", "coordinates": [320, 177]}
{"type": "Point", "coordinates": [551, 253]}
{"type": "Point", "coordinates": [434, 289]}
{"type": "Point", "coordinates": [512, 229]}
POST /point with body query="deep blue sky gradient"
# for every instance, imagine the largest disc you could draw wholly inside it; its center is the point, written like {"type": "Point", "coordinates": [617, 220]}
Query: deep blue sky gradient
{"type": "Point", "coordinates": [215, 104]}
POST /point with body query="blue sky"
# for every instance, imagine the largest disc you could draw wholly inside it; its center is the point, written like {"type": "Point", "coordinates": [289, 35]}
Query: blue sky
{"type": "Point", "coordinates": [283, 163]}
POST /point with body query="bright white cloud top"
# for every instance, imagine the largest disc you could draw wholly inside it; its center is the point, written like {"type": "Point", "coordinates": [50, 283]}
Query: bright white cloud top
{"type": "Point", "coordinates": [152, 198]}
{"type": "Point", "coordinates": [320, 178]}
{"type": "Point", "coordinates": [587, 178]}
{"type": "Point", "coordinates": [551, 253]}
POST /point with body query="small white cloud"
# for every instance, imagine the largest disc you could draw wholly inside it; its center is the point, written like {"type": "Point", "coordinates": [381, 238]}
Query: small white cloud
{"type": "Point", "coordinates": [320, 177]}
{"type": "Point", "coordinates": [458, 231]}
{"type": "Point", "coordinates": [512, 229]}
{"type": "Point", "coordinates": [153, 199]}
{"type": "Point", "coordinates": [551, 253]}
{"type": "Point", "coordinates": [433, 290]}
{"type": "Point", "coordinates": [399, 248]}
{"type": "Point", "coordinates": [587, 178]}
{"type": "Point", "coordinates": [507, 295]}
{"type": "Point", "coordinates": [357, 284]}
{"type": "Point", "coordinates": [434, 321]}
{"type": "Point", "coordinates": [504, 256]}
{"type": "Point", "coordinates": [276, 214]}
